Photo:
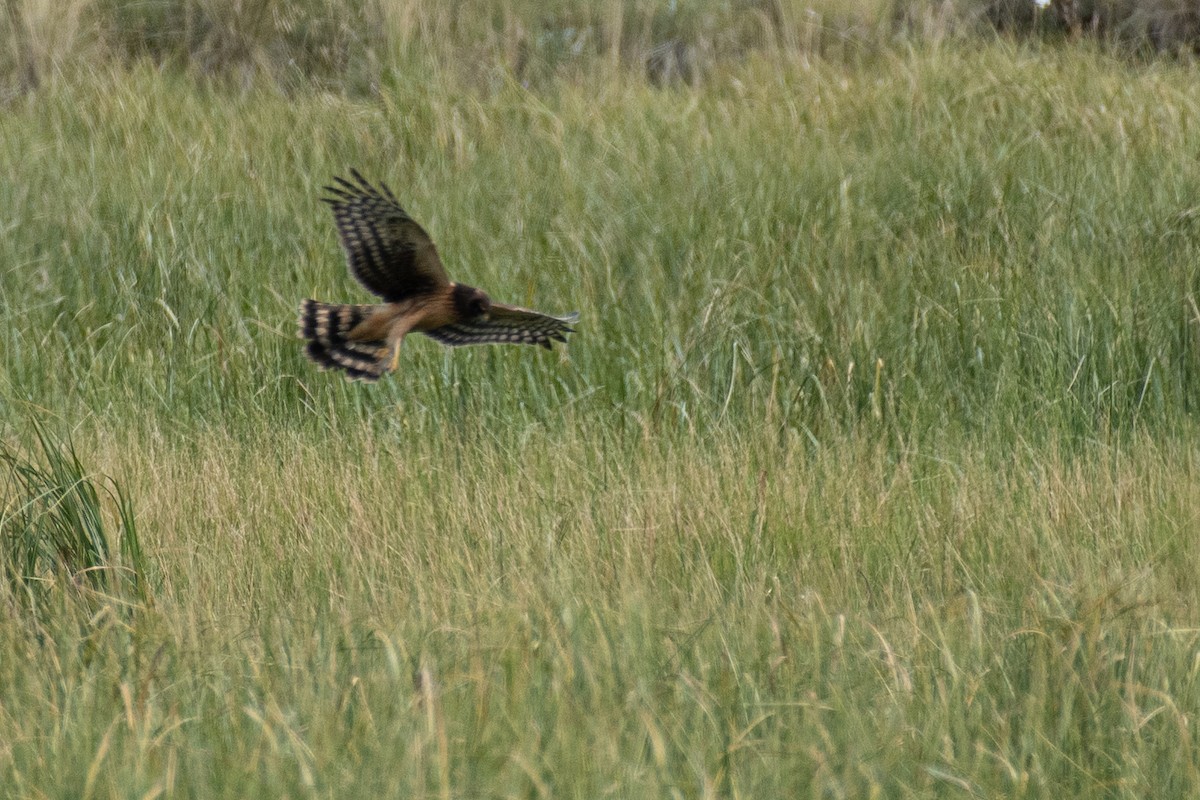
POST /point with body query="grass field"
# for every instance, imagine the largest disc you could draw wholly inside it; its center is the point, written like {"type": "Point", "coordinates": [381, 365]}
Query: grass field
{"type": "Point", "coordinates": [870, 472]}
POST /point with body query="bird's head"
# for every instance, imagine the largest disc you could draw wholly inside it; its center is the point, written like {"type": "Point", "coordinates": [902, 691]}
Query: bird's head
{"type": "Point", "coordinates": [471, 302]}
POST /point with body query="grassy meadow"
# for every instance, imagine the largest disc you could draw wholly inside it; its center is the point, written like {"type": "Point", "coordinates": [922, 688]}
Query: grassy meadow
{"type": "Point", "coordinates": [871, 470]}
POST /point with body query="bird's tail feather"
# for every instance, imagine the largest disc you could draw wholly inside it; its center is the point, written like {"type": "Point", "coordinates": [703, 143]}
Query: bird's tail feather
{"type": "Point", "coordinates": [326, 326]}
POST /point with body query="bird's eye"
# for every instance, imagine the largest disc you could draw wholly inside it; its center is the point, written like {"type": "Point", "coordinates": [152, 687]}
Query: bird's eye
{"type": "Point", "coordinates": [478, 307]}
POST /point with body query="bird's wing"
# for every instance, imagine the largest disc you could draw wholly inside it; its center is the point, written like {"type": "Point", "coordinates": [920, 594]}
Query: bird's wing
{"type": "Point", "coordinates": [506, 325]}
{"type": "Point", "coordinates": [388, 252]}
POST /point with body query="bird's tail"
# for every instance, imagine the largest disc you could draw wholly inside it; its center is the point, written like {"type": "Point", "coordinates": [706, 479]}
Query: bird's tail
{"type": "Point", "coordinates": [326, 326]}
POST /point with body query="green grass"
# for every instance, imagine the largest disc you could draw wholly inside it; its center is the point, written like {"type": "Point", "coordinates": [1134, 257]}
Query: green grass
{"type": "Point", "coordinates": [871, 470]}
{"type": "Point", "coordinates": [53, 525]}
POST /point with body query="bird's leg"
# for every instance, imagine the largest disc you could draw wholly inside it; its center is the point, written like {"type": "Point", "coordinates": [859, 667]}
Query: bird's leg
{"type": "Point", "coordinates": [395, 339]}
{"type": "Point", "coordinates": [395, 335]}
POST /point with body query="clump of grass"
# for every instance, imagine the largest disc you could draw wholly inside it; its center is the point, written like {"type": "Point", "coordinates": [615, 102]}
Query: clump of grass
{"type": "Point", "coordinates": [53, 523]}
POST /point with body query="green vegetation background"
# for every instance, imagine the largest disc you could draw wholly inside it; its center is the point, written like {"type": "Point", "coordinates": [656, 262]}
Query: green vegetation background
{"type": "Point", "coordinates": [871, 470]}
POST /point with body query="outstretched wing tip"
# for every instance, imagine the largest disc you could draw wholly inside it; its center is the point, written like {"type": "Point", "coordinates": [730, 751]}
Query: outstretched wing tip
{"type": "Point", "coordinates": [387, 251]}
{"type": "Point", "coordinates": [507, 325]}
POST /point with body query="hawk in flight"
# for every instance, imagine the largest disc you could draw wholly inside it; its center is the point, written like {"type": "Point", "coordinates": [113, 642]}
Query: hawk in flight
{"type": "Point", "coordinates": [393, 256]}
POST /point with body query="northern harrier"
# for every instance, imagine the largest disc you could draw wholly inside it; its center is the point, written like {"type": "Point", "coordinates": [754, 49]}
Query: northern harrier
{"type": "Point", "coordinates": [393, 257]}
